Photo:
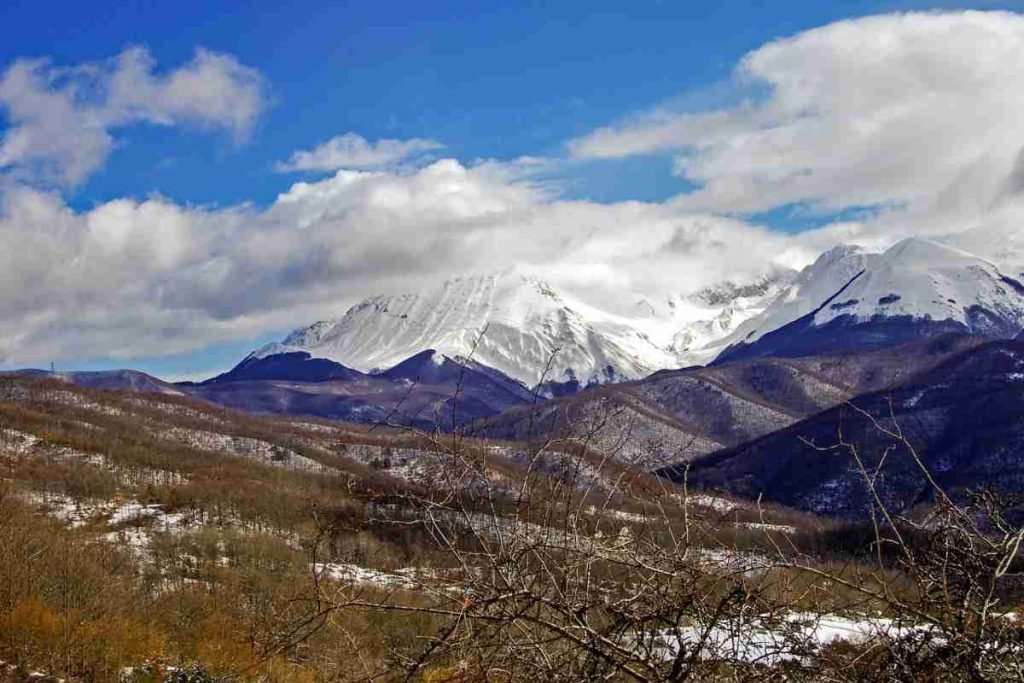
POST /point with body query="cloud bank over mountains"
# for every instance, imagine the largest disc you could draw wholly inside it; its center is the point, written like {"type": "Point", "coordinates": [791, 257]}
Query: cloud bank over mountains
{"type": "Point", "coordinates": [918, 118]}
{"type": "Point", "coordinates": [144, 277]}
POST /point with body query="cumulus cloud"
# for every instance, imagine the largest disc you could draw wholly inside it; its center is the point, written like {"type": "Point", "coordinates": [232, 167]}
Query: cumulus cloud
{"type": "Point", "coordinates": [61, 118]}
{"type": "Point", "coordinates": [356, 152]}
{"type": "Point", "coordinates": [213, 89]}
{"type": "Point", "coordinates": [920, 112]}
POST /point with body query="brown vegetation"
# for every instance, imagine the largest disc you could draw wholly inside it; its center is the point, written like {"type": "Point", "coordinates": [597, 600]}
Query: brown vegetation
{"type": "Point", "coordinates": [151, 538]}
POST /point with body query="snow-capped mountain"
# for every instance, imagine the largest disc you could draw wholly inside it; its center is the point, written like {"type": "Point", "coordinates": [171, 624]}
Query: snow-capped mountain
{"type": "Point", "coordinates": [703, 319]}
{"type": "Point", "coordinates": [853, 299]}
{"type": "Point", "coordinates": [528, 329]}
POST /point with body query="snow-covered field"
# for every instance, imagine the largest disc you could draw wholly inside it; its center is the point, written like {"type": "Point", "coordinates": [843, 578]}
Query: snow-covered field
{"type": "Point", "coordinates": [763, 526]}
{"type": "Point", "coordinates": [131, 524]}
{"type": "Point", "coordinates": [715, 503]}
{"type": "Point", "coordinates": [77, 400]}
{"type": "Point", "coordinates": [795, 637]}
{"type": "Point", "coordinates": [128, 522]}
{"type": "Point", "coordinates": [175, 409]}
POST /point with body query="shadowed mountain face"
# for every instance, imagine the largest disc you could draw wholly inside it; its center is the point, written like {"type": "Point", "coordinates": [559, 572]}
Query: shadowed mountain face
{"type": "Point", "coordinates": [844, 334]}
{"type": "Point", "coordinates": [670, 416]}
{"type": "Point", "coordinates": [428, 391]}
{"type": "Point", "coordinates": [680, 415]}
{"type": "Point", "coordinates": [297, 367]}
{"type": "Point", "coordinates": [434, 369]}
{"type": "Point", "coordinates": [962, 419]}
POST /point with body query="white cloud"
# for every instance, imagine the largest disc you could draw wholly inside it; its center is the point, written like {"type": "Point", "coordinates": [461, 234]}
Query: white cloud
{"type": "Point", "coordinates": [131, 278]}
{"type": "Point", "coordinates": [214, 89]}
{"type": "Point", "coordinates": [60, 119]}
{"type": "Point", "coordinates": [356, 152]}
{"type": "Point", "coordinates": [51, 134]}
{"type": "Point", "coordinates": [924, 111]}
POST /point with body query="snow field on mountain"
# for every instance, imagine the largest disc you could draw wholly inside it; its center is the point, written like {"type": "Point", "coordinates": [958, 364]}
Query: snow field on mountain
{"type": "Point", "coordinates": [524, 327]}
{"type": "Point", "coordinates": [916, 278]}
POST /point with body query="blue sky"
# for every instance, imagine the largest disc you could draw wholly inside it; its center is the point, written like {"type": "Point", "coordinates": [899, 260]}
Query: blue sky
{"type": "Point", "coordinates": [487, 80]}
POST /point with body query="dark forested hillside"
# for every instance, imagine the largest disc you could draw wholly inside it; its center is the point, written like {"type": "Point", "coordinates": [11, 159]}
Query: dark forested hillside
{"type": "Point", "coordinates": [963, 419]}
{"type": "Point", "coordinates": [676, 415]}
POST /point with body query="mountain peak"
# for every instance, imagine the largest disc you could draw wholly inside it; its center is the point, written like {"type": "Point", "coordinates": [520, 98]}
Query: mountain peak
{"type": "Point", "coordinates": [915, 288]}
{"type": "Point", "coordinates": [927, 253]}
{"type": "Point", "coordinates": [526, 327]}
{"type": "Point", "coordinates": [512, 321]}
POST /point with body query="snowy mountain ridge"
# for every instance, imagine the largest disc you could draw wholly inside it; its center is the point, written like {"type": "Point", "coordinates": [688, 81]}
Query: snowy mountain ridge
{"type": "Point", "coordinates": [528, 329]}
{"type": "Point", "coordinates": [918, 282]}
{"type": "Point", "coordinates": [850, 298]}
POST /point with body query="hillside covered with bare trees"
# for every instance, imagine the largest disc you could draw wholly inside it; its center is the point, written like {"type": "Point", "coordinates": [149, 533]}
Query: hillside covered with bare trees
{"type": "Point", "coordinates": [151, 538]}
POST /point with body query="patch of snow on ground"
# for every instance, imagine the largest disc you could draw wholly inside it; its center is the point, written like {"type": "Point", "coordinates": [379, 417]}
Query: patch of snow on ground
{"type": "Point", "coordinates": [23, 444]}
{"type": "Point", "coordinates": [618, 514]}
{"type": "Point", "coordinates": [790, 639]}
{"type": "Point", "coordinates": [17, 443]}
{"type": "Point", "coordinates": [573, 470]}
{"type": "Point", "coordinates": [133, 524]}
{"type": "Point", "coordinates": [733, 560]}
{"type": "Point", "coordinates": [245, 447]}
{"type": "Point", "coordinates": [77, 400]}
{"type": "Point", "coordinates": [762, 526]}
{"type": "Point", "coordinates": [711, 502]}
{"type": "Point", "coordinates": [353, 573]}
{"type": "Point", "coordinates": [175, 409]}
{"type": "Point", "coordinates": [72, 512]}
{"type": "Point", "coordinates": [424, 467]}
{"type": "Point", "coordinates": [77, 513]}
{"type": "Point", "coordinates": [317, 427]}
{"type": "Point", "coordinates": [913, 400]}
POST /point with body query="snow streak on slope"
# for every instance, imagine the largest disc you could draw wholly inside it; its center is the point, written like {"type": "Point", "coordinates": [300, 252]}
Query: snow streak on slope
{"type": "Point", "coordinates": [917, 279]}
{"type": "Point", "coordinates": [518, 322]}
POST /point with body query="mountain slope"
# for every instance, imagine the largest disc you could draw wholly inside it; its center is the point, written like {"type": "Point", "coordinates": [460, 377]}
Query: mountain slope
{"type": "Point", "coordinates": [852, 300]}
{"type": "Point", "coordinates": [962, 418]}
{"type": "Point", "coordinates": [680, 415]}
{"type": "Point", "coordinates": [297, 366]}
{"type": "Point", "coordinates": [114, 380]}
{"type": "Point", "coordinates": [427, 391]}
{"type": "Point", "coordinates": [526, 329]}
{"type": "Point", "coordinates": [433, 368]}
